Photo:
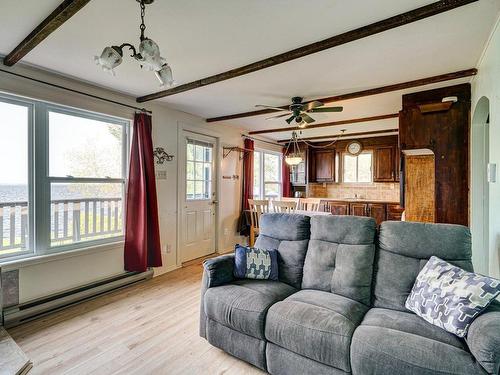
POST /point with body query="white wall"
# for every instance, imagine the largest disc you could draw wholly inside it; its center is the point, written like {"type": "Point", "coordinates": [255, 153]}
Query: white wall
{"type": "Point", "coordinates": [487, 83]}
{"type": "Point", "coordinates": [55, 274]}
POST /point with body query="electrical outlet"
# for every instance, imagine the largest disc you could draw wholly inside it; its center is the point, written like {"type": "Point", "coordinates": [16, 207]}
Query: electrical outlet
{"type": "Point", "coordinates": [226, 231]}
{"type": "Point", "coordinates": [169, 248]}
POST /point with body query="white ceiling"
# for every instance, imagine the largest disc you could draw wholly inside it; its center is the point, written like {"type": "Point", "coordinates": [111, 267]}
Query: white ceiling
{"type": "Point", "coordinates": [201, 38]}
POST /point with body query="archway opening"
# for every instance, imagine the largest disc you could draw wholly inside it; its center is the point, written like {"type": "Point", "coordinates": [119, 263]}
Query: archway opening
{"type": "Point", "coordinates": [479, 186]}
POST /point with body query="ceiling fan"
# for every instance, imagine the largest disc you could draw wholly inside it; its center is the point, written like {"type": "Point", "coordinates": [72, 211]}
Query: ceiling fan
{"type": "Point", "coordinates": [299, 111]}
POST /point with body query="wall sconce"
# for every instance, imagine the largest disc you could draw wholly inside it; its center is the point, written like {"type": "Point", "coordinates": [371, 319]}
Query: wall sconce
{"type": "Point", "coordinates": [161, 155]}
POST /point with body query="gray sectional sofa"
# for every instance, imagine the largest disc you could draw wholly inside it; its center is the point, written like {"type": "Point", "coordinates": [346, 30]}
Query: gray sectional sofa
{"type": "Point", "coordinates": [338, 307]}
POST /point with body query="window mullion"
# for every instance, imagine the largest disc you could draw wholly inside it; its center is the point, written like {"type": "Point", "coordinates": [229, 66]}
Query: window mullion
{"type": "Point", "coordinates": [42, 184]}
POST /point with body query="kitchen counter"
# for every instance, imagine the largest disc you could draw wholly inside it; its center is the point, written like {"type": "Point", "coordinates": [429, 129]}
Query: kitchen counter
{"type": "Point", "coordinates": [359, 200]}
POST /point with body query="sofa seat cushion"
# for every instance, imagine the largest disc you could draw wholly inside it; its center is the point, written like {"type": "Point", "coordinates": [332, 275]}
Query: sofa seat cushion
{"type": "Point", "coordinates": [317, 325]}
{"type": "Point", "coordinates": [242, 305]}
{"type": "Point", "coordinates": [397, 342]}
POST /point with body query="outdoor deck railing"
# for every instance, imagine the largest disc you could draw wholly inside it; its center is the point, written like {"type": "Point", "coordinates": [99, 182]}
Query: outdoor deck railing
{"type": "Point", "coordinates": [71, 220]}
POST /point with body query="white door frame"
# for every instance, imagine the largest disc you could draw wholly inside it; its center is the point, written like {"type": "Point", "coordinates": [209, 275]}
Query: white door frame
{"type": "Point", "coordinates": [181, 165]}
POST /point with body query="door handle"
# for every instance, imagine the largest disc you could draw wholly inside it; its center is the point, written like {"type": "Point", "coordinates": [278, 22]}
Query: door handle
{"type": "Point", "coordinates": [215, 202]}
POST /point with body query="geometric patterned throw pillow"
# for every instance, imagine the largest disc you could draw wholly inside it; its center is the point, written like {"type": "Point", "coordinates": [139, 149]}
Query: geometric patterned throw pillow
{"type": "Point", "coordinates": [252, 263]}
{"type": "Point", "coordinates": [450, 297]}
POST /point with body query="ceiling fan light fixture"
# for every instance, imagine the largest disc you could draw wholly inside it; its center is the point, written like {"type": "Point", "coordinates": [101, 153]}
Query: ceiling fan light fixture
{"type": "Point", "coordinates": [302, 125]}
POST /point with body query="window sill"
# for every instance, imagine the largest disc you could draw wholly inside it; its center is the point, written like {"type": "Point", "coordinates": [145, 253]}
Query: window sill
{"type": "Point", "coordinates": [33, 259]}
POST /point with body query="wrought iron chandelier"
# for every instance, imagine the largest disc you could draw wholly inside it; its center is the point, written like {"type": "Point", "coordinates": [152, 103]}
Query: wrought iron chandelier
{"type": "Point", "coordinates": [148, 56]}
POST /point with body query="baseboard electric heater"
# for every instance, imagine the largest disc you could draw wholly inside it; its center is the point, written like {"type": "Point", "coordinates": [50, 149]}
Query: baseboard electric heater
{"type": "Point", "coordinates": [23, 312]}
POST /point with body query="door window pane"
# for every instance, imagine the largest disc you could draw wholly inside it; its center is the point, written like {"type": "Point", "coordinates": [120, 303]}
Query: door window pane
{"type": "Point", "coordinates": [14, 223]}
{"type": "Point", "coordinates": [82, 147]}
{"type": "Point", "coordinates": [199, 164]}
{"type": "Point", "coordinates": [83, 212]}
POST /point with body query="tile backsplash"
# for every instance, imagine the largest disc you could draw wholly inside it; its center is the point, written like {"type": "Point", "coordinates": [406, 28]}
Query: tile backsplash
{"type": "Point", "coordinates": [387, 191]}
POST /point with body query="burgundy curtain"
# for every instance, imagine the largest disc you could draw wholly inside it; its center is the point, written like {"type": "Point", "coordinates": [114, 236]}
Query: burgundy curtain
{"type": "Point", "coordinates": [285, 168]}
{"type": "Point", "coordinates": [247, 174]}
{"type": "Point", "coordinates": [142, 234]}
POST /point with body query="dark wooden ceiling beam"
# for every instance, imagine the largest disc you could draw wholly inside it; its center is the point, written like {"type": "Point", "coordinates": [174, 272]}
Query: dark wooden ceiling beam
{"type": "Point", "coordinates": [363, 93]}
{"type": "Point", "coordinates": [327, 124]}
{"type": "Point", "coordinates": [337, 40]}
{"type": "Point", "coordinates": [380, 132]}
{"type": "Point", "coordinates": [61, 14]}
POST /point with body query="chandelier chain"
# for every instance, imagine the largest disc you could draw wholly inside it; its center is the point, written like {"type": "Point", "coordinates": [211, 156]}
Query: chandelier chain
{"type": "Point", "coordinates": [143, 25]}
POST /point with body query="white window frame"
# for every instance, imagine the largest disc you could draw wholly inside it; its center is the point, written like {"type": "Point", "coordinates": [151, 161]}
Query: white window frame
{"type": "Point", "coordinates": [262, 174]}
{"type": "Point", "coordinates": [357, 167]}
{"type": "Point", "coordinates": [39, 180]}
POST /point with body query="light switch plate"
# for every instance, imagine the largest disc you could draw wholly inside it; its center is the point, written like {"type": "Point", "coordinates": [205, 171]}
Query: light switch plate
{"type": "Point", "coordinates": [492, 172]}
{"type": "Point", "coordinates": [161, 175]}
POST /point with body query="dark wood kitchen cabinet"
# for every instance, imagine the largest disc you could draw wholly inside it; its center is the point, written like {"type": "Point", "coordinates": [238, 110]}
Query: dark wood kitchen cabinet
{"type": "Point", "coordinates": [394, 212]}
{"type": "Point", "coordinates": [338, 208]}
{"type": "Point", "coordinates": [384, 164]}
{"type": "Point", "coordinates": [358, 209]}
{"type": "Point", "coordinates": [380, 211]}
{"type": "Point", "coordinates": [374, 210]}
{"type": "Point", "coordinates": [377, 211]}
{"type": "Point", "coordinates": [322, 166]}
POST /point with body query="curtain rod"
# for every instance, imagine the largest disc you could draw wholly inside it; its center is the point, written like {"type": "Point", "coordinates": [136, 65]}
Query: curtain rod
{"type": "Point", "coordinates": [261, 140]}
{"type": "Point", "coordinates": [76, 91]}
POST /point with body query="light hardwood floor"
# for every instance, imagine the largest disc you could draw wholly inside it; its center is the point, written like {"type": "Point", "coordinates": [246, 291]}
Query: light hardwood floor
{"type": "Point", "coordinates": [149, 328]}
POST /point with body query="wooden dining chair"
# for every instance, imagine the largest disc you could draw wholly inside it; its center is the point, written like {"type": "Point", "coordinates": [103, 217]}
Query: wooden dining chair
{"type": "Point", "coordinates": [284, 206]}
{"type": "Point", "coordinates": [309, 204]}
{"type": "Point", "coordinates": [257, 208]}
{"type": "Point", "coordinates": [288, 199]}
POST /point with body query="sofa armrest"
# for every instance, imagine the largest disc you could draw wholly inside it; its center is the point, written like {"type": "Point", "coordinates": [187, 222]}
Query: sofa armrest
{"type": "Point", "coordinates": [216, 271]}
{"type": "Point", "coordinates": [219, 270]}
{"type": "Point", "coordinates": [483, 338]}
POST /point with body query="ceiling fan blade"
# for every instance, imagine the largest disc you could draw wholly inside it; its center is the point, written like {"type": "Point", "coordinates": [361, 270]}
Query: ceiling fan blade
{"type": "Point", "coordinates": [326, 109]}
{"type": "Point", "coordinates": [270, 107]}
{"type": "Point", "coordinates": [307, 118]}
{"type": "Point", "coordinates": [289, 120]}
{"type": "Point", "coordinates": [283, 115]}
{"type": "Point", "coordinates": [313, 104]}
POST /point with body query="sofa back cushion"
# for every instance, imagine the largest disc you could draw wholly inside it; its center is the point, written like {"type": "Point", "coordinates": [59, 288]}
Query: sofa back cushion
{"type": "Point", "coordinates": [403, 250]}
{"type": "Point", "coordinates": [289, 234]}
{"type": "Point", "coordinates": [340, 256]}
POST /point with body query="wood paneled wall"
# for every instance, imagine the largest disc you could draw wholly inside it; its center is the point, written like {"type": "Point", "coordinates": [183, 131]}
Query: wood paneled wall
{"type": "Point", "coordinates": [446, 133]}
{"type": "Point", "coordinates": [420, 188]}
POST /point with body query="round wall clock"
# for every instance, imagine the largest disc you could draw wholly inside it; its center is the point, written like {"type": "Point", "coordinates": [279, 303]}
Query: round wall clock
{"type": "Point", "coordinates": [354, 148]}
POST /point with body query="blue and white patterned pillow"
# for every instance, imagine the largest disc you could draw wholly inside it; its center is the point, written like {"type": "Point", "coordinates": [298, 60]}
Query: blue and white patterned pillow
{"type": "Point", "coordinates": [450, 297]}
{"type": "Point", "coordinates": [252, 263]}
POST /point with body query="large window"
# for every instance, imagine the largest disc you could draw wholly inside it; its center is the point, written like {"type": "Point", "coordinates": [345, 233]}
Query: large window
{"type": "Point", "coordinates": [357, 168]}
{"type": "Point", "coordinates": [267, 175]}
{"type": "Point", "coordinates": [63, 185]}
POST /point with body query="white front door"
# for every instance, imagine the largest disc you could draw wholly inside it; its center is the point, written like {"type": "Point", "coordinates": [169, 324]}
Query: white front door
{"type": "Point", "coordinates": [198, 193]}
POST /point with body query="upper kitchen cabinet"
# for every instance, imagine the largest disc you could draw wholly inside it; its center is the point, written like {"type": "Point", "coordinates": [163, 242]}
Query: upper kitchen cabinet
{"type": "Point", "coordinates": [322, 165]}
{"type": "Point", "coordinates": [384, 164]}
